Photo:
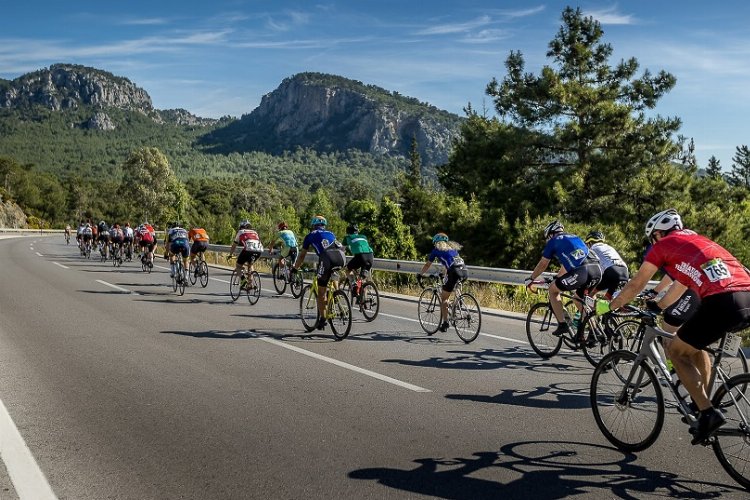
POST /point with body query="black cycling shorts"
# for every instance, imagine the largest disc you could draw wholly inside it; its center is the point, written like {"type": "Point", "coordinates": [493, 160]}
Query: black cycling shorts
{"type": "Point", "coordinates": [717, 314]}
{"type": "Point", "coordinates": [103, 237]}
{"type": "Point", "coordinates": [198, 247]}
{"type": "Point", "coordinates": [361, 260]}
{"type": "Point", "coordinates": [612, 278]}
{"type": "Point", "coordinates": [455, 273]}
{"type": "Point", "coordinates": [246, 256]}
{"type": "Point", "coordinates": [580, 279]}
{"type": "Point", "coordinates": [330, 260]}
{"type": "Point", "coordinates": [682, 309]}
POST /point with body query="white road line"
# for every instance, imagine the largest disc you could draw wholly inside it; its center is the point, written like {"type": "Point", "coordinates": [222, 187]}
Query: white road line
{"type": "Point", "coordinates": [482, 334]}
{"type": "Point", "coordinates": [121, 289]}
{"type": "Point", "coordinates": [217, 279]}
{"type": "Point", "coordinates": [60, 265]}
{"type": "Point", "coordinates": [342, 364]}
{"type": "Point", "coordinates": [25, 474]}
{"type": "Point", "coordinates": [40, 255]}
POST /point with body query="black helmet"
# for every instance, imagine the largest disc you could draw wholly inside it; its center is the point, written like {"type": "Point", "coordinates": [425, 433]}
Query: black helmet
{"type": "Point", "coordinates": [351, 229]}
{"type": "Point", "coordinates": [595, 237]}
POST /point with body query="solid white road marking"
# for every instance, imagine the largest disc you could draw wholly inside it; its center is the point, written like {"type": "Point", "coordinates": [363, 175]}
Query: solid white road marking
{"type": "Point", "coordinates": [217, 279]}
{"type": "Point", "coordinates": [121, 289]}
{"type": "Point", "coordinates": [25, 474]}
{"type": "Point", "coordinates": [348, 366]}
{"type": "Point", "coordinates": [60, 265]}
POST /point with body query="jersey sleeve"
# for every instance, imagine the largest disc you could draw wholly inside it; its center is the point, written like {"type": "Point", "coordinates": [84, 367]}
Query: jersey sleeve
{"type": "Point", "coordinates": [307, 242]}
{"type": "Point", "coordinates": [653, 256]}
{"type": "Point", "coordinates": [549, 249]}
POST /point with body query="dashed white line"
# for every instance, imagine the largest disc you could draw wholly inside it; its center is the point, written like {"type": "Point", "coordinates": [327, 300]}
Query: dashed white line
{"type": "Point", "coordinates": [348, 366]}
{"type": "Point", "coordinates": [119, 288]}
{"type": "Point", "coordinates": [40, 255]}
{"type": "Point", "coordinates": [60, 265]}
{"type": "Point", "coordinates": [508, 339]}
{"type": "Point", "coordinates": [25, 474]}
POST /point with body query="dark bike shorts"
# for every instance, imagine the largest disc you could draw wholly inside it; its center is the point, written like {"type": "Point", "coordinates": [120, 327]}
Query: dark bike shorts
{"type": "Point", "coordinates": [455, 273]}
{"type": "Point", "coordinates": [103, 237]}
{"type": "Point", "coordinates": [580, 279]}
{"type": "Point", "coordinates": [147, 244]}
{"type": "Point", "coordinates": [361, 261]}
{"type": "Point", "coordinates": [198, 247]}
{"type": "Point", "coordinates": [717, 315]}
{"type": "Point", "coordinates": [87, 237]}
{"type": "Point", "coordinates": [246, 256]}
{"type": "Point", "coordinates": [180, 247]}
{"type": "Point", "coordinates": [117, 240]}
{"type": "Point", "coordinates": [331, 259]}
{"type": "Point", "coordinates": [612, 278]}
{"type": "Point", "coordinates": [682, 309]}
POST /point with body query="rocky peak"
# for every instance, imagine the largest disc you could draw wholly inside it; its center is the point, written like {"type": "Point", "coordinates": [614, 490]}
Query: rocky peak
{"type": "Point", "coordinates": [181, 116]}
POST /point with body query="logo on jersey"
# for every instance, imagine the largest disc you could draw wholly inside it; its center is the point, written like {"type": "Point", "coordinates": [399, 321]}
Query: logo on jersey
{"type": "Point", "coordinates": [578, 254]}
{"type": "Point", "coordinates": [690, 272]}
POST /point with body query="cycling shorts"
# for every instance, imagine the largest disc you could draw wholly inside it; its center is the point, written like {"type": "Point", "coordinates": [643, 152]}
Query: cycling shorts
{"type": "Point", "coordinates": [683, 308]}
{"type": "Point", "coordinates": [246, 256]}
{"type": "Point", "coordinates": [361, 260]}
{"type": "Point", "coordinates": [117, 240]}
{"type": "Point", "coordinates": [103, 237]}
{"type": "Point", "coordinates": [455, 273]}
{"type": "Point", "coordinates": [180, 247]}
{"type": "Point", "coordinates": [330, 260]}
{"type": "Point", "coordinates": [580, 279]}
{"type": "Point", "coordinates": [717, 314]}
{"type": "Point", "coordinates": [127, 239]}
{"type": "Point", "coordinates": [86, 237]}
{"type": "Point", "coordinates": [147, 244]}
{"type": "Point", "coordinates": [612, 278]}
{"type": "Point", "coordinates": [198, 247]}
{"type": "Point", "coordinates": [290, 254]}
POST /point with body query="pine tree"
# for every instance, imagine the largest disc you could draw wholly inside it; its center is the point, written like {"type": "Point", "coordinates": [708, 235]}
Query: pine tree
{"type": "Point", "coordinates": [713, 169]}
{"type": "Point", "coordinates": [740, 175]}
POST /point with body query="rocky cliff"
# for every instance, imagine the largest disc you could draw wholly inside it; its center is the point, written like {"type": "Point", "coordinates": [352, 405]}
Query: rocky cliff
{"type": "Point", "coordinates": [11, 215]}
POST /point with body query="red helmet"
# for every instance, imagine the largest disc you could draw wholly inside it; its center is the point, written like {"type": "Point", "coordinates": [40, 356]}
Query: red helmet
{"type": "Point", "coordinates": [282, 225]}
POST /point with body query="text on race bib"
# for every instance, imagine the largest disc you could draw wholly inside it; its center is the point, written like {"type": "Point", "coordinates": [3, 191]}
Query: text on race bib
{"type": "Point", "coordinates": [716, 270]}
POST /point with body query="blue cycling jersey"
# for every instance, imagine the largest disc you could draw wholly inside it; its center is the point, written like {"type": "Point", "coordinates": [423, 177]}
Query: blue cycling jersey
{"type": "Point", "coordinates": [568, 249]}
{"type": "Point", "coordinates": [319, 239]}
{"type": "Point", "coordinates": [446, 257]}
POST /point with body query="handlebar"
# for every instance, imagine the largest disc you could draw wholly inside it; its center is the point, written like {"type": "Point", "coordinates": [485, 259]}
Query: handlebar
{"type": "Point", "coordinates": [430, 280]}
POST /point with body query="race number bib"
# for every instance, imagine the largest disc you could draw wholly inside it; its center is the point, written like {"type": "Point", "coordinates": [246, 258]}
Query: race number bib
{"type": "Point", "coordinates": [716, 270]}
{"type": "Point", "coordinates": [253, 246]}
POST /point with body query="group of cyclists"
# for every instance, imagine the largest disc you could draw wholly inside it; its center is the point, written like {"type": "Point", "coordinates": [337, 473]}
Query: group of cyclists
{"type": "Point", "coordinates": [116, 240]}
{"type": "Point", "coordinates": [705, 293]}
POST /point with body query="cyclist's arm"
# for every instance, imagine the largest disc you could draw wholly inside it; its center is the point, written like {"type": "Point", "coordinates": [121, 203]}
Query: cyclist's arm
{"type": "Point", "coordinates": [425, 267]}
{"type": "Point", "coordinates": [541, 266]}
{"type": "Point", "coordinates": [300, 258]}
{"type": "Point", "coordinates": [635, 285]}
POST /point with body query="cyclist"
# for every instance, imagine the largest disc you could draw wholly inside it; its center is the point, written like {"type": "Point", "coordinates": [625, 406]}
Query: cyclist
{"type": "Point", "coordinates": [79, 235]}
{"type": "Point", "coordinates": [723, 285]}
{"type": "Point", "coordinates": [102, 230]}
{"type": "Point", "coordinates": [128, 236]}
{"type": "Point", "coordinates": [117, 236]}
{"type": "Point", "coordinates": [330, 255]}
{"type": "Point", "coordinates": [446, 252]}
{"type": "Point", "coordinates": [579, 270]}
{"type": "Point", "coordinates": [251, 245]}
{"type": "Point", "coordinates": [67, 234]}
{"type": "Point", "coordinates": [177, 244]}
{"type": "Point", "coordinates": [614, 270]}
{"type": "Point", "coordinates": [361, 251]}
{"type": "Point", "coordinates": [199, 238]}
{"type": "Point", "coordinates": [288, 241]}
{"type": "Point", "coordinates": [87, 236]}
{"type": "Point", "coordinates": [146, 238]}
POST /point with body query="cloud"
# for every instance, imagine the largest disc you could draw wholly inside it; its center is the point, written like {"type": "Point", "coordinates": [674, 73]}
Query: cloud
{"type": "Point", "coordinates": [611, 16]}
{"type": "Point", "coordinates": [447, 29]}
{"type": "Point", "coordinates": [486, 36]}
{"type": "Point", "coordinates": [515, 13]}
{"type": "Point", "coordinates": [288, 20]}
{"type": "Point", "coordinates": [150, 21]}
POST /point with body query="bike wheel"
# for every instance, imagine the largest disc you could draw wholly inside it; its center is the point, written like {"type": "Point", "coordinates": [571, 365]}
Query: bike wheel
{"type": "Point", "coordinates": [539, 324]}
{"type": "Point", "coordinates": [631, 415]}
{"type": "Point", "coordinates": [467, 317]}
{"type": "Point", "coordinates": [279, 281]}
{"type": "Point", "coordinates": [340, 315]}
{"type": "Point", "coordinates": [369, 300]}
{"type": "Point", "coordinates": [144, 265]}
{"type": "Point", "coordinates": [627, 335]}
{"type": "Point", "coordinates": [234, 285]}
{"type": "Point", "coordinates": [192, 268]}
{"type": "Point", "coordinates": [253, 290]}
{"type": "Point", "coordinates": [181, 279]}
{"type": "Point", "coordinates": [308, 308]}
{"type": "Point", "coordinates": [428, 310]}
{"type": "Point", "coordinates": [203, 270]}
{"type": "Point", "coordinates": [296, 284]}
{"type": "Point", "coordinates": [595, 340]}
{"type": "Point", "coordinates": [732, 443]}
{"type": "Point", "coordinates": [174, 281]}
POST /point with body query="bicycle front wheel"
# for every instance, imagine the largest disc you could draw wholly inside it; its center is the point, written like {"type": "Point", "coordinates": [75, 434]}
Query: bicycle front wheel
{"type": "Point", "coordinates": [279, 283]}
{"type": "Point", "coordinates": [732, 443]}
{"type": "Point", "coordinates": [308, 308]}
{"type": "Point", "coordinates": [253, 288]}
{"type": "Point", "coordinates": [340, 315]}
{"type": "Point", "coordinates": [192, 268]}
{"type": "Point", "coordinates": [181, 279]}
{"type": "Point", "coordinates": [630, 415]}
{"type": "Point", "coordinates": [203, 270]}
{"type": "Point", "coordinates": [627, 335]}
{"type": "Point", "coordinates": [296, 285]}
{"type": "Point", "coordinates": [369, 300]}
{"type": "Point", "coordinates": [595, 339]}
{"type": "Point", "coordinates": [539, 323]}
{"type": "Point", "coordinates": [467, 317]}
{"type": "Point", "coordinates": [234, 285]}
{"type": "Point", "coordinates": [428, 310]}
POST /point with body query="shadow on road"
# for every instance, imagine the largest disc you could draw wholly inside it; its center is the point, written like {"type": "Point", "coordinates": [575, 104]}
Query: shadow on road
{"type": "Point", "coordinates": [214, 334]}
{"type": "Point", "coordinates": [549, 469]}
{"type": "Point", "coordinates": [554, 396]}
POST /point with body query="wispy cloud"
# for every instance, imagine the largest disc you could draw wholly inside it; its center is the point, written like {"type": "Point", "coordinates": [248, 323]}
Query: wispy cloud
{"type": "Point", "coordinates": [611, 16]}
{"type": "Point", "coordinates": [451, 28]}
{"type": "Point", "coordinates": [288, 20]}
{"type": "Point", "coordinates": [516, 13]}
{"type": "Point", "coordinates": [486, 36]}
{"type": "Point", "coordinates": [148, 21]}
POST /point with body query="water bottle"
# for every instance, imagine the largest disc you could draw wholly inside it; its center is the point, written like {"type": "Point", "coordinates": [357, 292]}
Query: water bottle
{"type": "Point", "coordinates": [576, 321]}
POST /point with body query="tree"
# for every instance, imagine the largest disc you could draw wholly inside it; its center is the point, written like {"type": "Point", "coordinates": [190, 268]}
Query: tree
{"type": "Point", "coordinates": [585, 122]}
{"type": "Point", "coordinates": [740, 174]}
{"type": "Point", "coordinates": [392, 238]}
{"type": "Point", "coordinates": [713, 169]}
{"type": "Point", "coordinates": [415, 161]}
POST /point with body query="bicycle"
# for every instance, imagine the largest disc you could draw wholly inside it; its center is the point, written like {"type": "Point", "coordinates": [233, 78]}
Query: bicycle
{"type": "Point", "coordinates": [282, 276]}
{"type": "Point", "coordinates": [464, 313]}
{"type": "Point", "coordinates": [146, 265]}
{"type": "Point", "coordinates": [116, 256]}
{"type": "Point", "coordinates": [128, 252]}
{"type": "Point", "coordinates": [364, 294]}
{"type": "Point", "coordinates": [103, 250]}
{"type": "Point", "coordinates": [67, 238]}
{"type": "Point", "coordinates": [179, 280]}
{"type": "Point", "coordinates": [338, 310]}
{"type": "Point", "coordinates": [198, 269]}
{"type": "Point", "coordinates": [244, 280]}
{"type": "Point", "coordinates": [628, 403]}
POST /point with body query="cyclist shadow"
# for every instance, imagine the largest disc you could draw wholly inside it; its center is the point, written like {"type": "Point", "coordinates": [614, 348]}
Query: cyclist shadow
{"type": "Point", "coordinates": [214, 334]}
{"type": "Point", "coordinates": [401, 336]}
{"type": "Point", "coordinates": [297, 336]}
{"type": "Point", "coordinates": [553, 396]}
{"type": "Point", "coordinates": [549, 469]}
{"type": "Point", "coordinates": [269, 316]}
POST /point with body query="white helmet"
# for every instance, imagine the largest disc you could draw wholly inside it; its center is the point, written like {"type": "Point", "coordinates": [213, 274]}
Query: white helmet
{"type": "Point", "coordinates": [663, 221]}
{"type": "Point", "coordinates": [553, 228]}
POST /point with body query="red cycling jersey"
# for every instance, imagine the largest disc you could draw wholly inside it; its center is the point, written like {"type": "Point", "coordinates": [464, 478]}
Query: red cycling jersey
{"type": "Point", "coordinates": [699, 263]}
{"type": "Point", "coordinates": [248, 240]}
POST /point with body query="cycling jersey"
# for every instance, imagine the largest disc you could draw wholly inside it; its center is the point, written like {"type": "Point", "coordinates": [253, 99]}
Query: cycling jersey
{"type": "Point", "coordinates": [448, 258]}
{"type": "Point", "coordinates": [248, 240]}
{"type": "Point", "coordinates": [128, 233]}
{"type": "Point", "coordinates": [198, 234]}
{"type": "Point", "coordinates": [607, 255]}
{"type": "Point", "coordinates": [699, 263]}
{"type": "Point", "coordinates": [288, 238]}
{"type": "Point", "coordinates": [319, 240]}
{"type": "Point", "coordinates": [116, 234]}
{"type": "Point", "coordinates": [568, 249]}
{"type": "Point", "coordinates": [357, 243]}
{"type": "Point", "coordinates": [177, 234]}
{"type": "Point", "coordinates": [145, 235]}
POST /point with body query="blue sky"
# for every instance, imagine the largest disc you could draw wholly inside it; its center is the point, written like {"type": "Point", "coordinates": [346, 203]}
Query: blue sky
{"type": "Point", "coordinates": [220, 57]}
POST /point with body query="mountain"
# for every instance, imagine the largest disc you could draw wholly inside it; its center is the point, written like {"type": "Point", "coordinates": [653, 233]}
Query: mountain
{"type": "Point", "coordinates": [331, 113]}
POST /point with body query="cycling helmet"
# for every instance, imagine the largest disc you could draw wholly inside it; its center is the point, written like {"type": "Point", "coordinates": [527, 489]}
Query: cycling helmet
{"type": "Point", "coordinates": [318, 220]}
{"type": "Point", "coordinates": [553, 227]}
{"type": "Point", "coordinates": [595, 237]}
{"type": "Point", "coordinates": [663, 221]}
{"type": "Point", "coordinates": [439, 237]}
{"type": "Point", "coordinates": [102, 223]}
{"type": "Point", "coordinates": [282, 226]}
{"type": "Point", "coordinates": [352, 229]}
{"type": "Point", "coordinates": [245, 224]}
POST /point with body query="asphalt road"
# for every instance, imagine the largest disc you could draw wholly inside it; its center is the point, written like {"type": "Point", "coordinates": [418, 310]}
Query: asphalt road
{"type": "Point", "coordinates": [121, 389]}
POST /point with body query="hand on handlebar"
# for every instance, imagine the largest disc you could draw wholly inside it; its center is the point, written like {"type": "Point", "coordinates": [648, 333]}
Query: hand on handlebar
{"type": "Point", "coordinates": [602, 307]}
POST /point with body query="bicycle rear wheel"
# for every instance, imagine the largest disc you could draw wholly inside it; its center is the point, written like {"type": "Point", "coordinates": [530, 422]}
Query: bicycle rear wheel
{"type": "Point", "coordinates": [340, 315]}
{"type": "Point", "coordinates": [627, 335]}
{"type": "Point", "coordinates": [203, 270]}
{"type": "Point", "coordinates": [631, 415]}
{"type": "Point", "coordinates": [234, 285]}
{"type": "Point", "coordinates": [732, 443]}
{"type": "Point", "coordinates": [467, 317]}
{"type": "Point", "coordinates": [181, 279]}
{"type": "Point", "coordinates": [428, 310]}
{"type": "Point", "coordinates": [279, 281]}
{"type": "Point", "coordinates": [369, 300]}
{"type": "Point", "coordinates": [539, 324]}
{"type": "Point", "coordinates": [253, 288]}
{"type": "Point", "coordinates": [192, 268]}
{"type": "Point", "coordinates": [595, 340]}
{"type": "Point", "coordinates": [308, 308]}
{"type": "Point", "coordinates": [296, 285]}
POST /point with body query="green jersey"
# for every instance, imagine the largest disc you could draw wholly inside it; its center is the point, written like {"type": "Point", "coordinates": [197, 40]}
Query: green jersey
{"type": "Point", "coordinates": [357, 244]}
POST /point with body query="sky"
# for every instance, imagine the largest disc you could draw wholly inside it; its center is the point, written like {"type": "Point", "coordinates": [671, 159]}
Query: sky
{"type": "Point", "coordinates": [220, 57]}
